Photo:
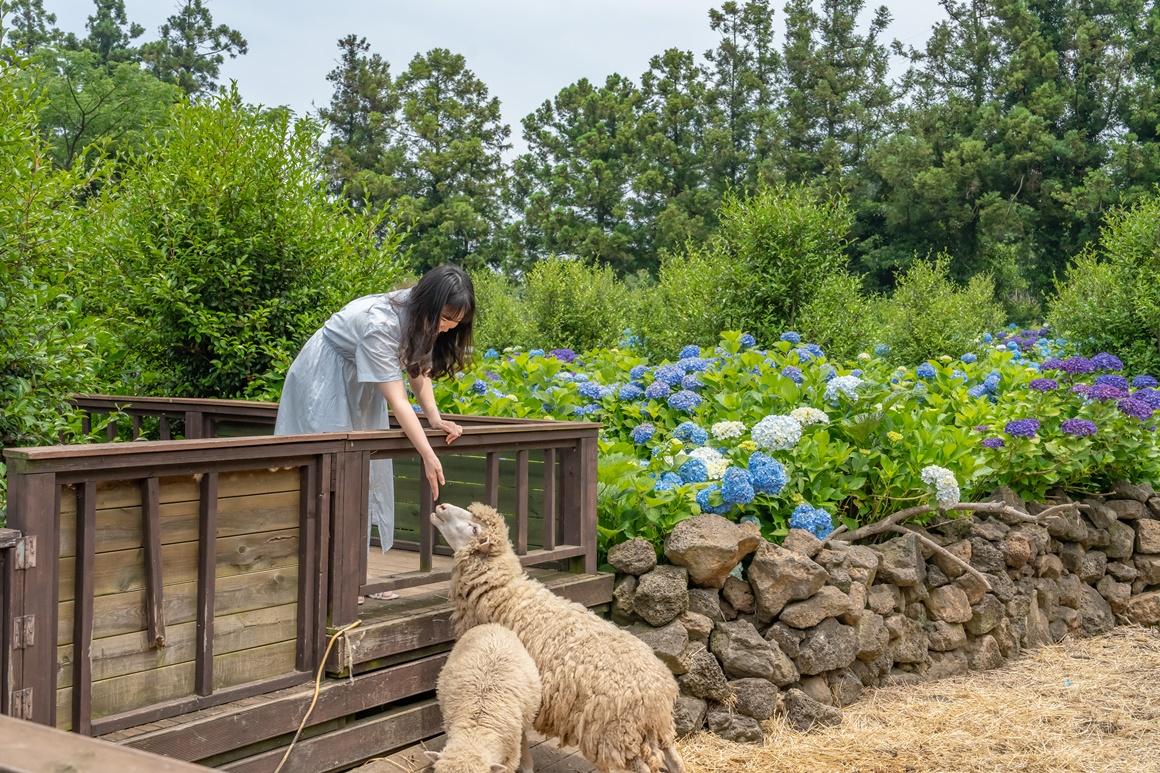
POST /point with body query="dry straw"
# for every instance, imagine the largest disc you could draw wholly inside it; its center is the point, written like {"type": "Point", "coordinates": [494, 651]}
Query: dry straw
{"type": "Point", "coordinates": [1090, 705]}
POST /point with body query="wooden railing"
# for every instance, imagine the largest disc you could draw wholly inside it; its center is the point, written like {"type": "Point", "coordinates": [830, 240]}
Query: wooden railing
{"type": "Point", "coordinates": [26, 747]}
{"type": "Point", "coordinates": [10, 616]}
{"type": "Point", "coordinates": [156, 556]}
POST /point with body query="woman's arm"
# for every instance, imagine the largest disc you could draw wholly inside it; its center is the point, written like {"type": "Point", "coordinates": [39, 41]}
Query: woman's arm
{"type": "Point", "coordinates": [421, 386]}
{"type": "Point", "coordinates": [396, 397]}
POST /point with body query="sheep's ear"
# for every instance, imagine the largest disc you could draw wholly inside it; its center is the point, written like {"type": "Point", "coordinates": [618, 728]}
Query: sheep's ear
{"type": "Point", "coordinates": [484, 546]}
{"type": "Point", "coordinates": [497, 768]}
{"type": "Point", "coordinates": [432, 757]}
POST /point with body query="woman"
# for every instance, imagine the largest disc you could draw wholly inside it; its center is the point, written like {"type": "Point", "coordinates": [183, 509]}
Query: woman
{"type": "Point", "coordinates": [351, 371]}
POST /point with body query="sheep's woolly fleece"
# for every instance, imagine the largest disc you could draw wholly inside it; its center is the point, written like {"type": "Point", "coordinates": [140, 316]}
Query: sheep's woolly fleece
{"type": "Point", "coordinates": [604, 690]}
{"type": "Point", "coordinates": [489, 693]}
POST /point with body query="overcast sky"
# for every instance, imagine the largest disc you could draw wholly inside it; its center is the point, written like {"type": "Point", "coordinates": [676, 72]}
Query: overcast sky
{"type": "Point", "coordinates": [524, 50]}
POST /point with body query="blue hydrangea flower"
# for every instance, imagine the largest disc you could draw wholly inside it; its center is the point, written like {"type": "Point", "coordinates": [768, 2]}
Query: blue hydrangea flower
{"type": "Point", "coordinates": [978, 390]}
{"type": "Point", "coordinates": [812, 519]}
{"type": "Point", "coordinates": [630, 392]}
{"type": "Point", "coordinates": [1144, 380]}
{"type": "Point", "coordinates": [590, 389]}
{"type": "Point", "coordinates": [479, 387]}
{"type": "Point", "coordinates": [991, 382]}
{"type": "Point", "coordinates": [688, 432]}
{"type": "Point", "coordinates": [668, 480]}
{"type": "Point", "coordinates": [580, 377]}
{"type": "Point", "coordinates": [685, 400]}
{"type": "Point", "coordinates": [657, 390]}
{"type": "Point", "coordinates": [691, 382]}
{"type": "Point", "coordinates": [766, 473]}
{"type": "Point", "coordinates": [586, 410]}
{"type": "Point", "coordinates": [956, 373]}
{"type": "Point", "coordinates": [693, 364]}
{"type": "Point", "coordinates": [842, 385]}
{"type": "Point", "coordinates": [856, 372]}
{"type": "Point", "coordinates": [804, 355]}
{"type": "Point", "coordinates": [670, 374]}
{"type": "Point", "coordinates": [1013, 346]}
{"type": "Point", "coordinates": [793, 374]}
{"type": "Point", "coordinates": [969, 357]}
{"type": "Point", "coordinates": [988, 338]}
{"type": "Point", "coordinates": [1107, 362]}
{"type": "Point", "coordinates": [748, 340]}
{"type": "Point", "coordinates": [925, 370]}
{"type": "Point", "coordinates": [704, 500]}
{"type": "Point", "coordinates": [642, 433]}
{"type": "Point", "coordinates": [536, 353]}
{"type": "Point", "coordinates": [736, 488]}
{"type": "Point", "coordinates": [693, 471]}
{"type": "Point", "coordinates": [689, 351]}
{"type": "Point", "coordinates": [637, 372]}
{"type": "Point", "coordinates": [829, 372]}
{"type": "Point", "coordinates": [491, 354]}
{"type": "Point", "coordinates": [791, 337]}
{"type": "Point", "coordinates": [881, 350]}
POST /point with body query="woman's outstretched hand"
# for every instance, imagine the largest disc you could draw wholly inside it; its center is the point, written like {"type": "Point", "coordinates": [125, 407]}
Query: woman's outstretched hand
{"type": "Point", "coordinates": [433, 469]}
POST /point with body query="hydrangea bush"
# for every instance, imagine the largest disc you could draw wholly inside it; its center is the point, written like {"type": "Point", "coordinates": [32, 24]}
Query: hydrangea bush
{"type": "Point", "coordinates": [785, 437]}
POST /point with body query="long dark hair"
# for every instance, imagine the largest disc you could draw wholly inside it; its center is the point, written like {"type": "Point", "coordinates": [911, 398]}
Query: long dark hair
{"type": "Point", "coordinates": [424, 350]}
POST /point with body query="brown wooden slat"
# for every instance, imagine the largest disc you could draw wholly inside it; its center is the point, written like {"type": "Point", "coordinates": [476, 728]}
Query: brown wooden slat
{"type": "Point", "coordinates": [31, 748]}
{"type": "Point", "coordinates": [83, 615]}
{"type": "Point", "coordinates": [9, 538]}
{"type": "Point", "coordinates": [308, 544]}
{"type": "Point", "coordinates": [6, 576]}
{"type": "Point", "coordinates": [320, 561]}
{"type": "Point", "coordinates": [357, 554]}
{"type": "Point", "coordinates": [163, 429]}
{"type": "Point", "coordinates": [421, 577]}
{"type": "Point", "coordinates": [549, 514]}
{"type": "Point", "coordinates": [206, 580]}
{"type": "Point", "coordinates": [203, 738]}
{"type": "Point", "coordinates": [136, 425]}
{"type": "Point", "coordinates": [87, 423]}
{"type": "Point", "coordinates": [426, 529]}
{"type": "Point", "coordinates": [588, 516]}
{"type": "Point", "coordinates": [521, 502]}
{"type": "Point", "coordinates": [154, 595]}
{"type": "Point", "coordinates": [111, 428]}
{"type": "Point", "coordinates": [193, 425]}
{"type": "Point", "coordinates": [491, 479]}
{"type": "Point", "coordinates": [570, 507]}
{"type": "Point", "coordinates": [342, 748]}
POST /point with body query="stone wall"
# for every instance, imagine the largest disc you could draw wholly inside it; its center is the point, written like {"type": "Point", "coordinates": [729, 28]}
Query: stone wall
{"type": "Point", "coordinates": [752, 628]}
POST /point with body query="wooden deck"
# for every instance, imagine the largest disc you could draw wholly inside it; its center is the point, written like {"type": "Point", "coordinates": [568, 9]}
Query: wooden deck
{"type": "Point", "coordinates": [549, 758]}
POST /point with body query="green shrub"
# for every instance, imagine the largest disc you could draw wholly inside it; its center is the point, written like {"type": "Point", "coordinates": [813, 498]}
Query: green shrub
{"type": "Point", "coordinates": [501, 319]}
{"type": "Point", "coordinates": [685, 306]}
{"type": "Point", "coordinates": [930, 314]}
{"type": "Point", "coordinates": [1110, 298]}
{"type": "Point", "coordinates": [234, 252]}
{"type": "Point", "coordinates": [841, 317]}
{"type": "Point", "coordinates": [574, 303]}
{"type": "Point", "coordinates": [783, 242]}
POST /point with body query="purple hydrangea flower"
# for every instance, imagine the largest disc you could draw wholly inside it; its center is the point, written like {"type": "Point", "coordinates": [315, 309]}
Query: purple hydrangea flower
{"type": "Point", "coordinates": [1105, 361]}
{"type": "Point", "coordinates": [1081, 389]}
{"type": "Point", "coordinates": [1119, 382]}
{"type": "Point", "coordinates": [1150, 396]}
{"type": "Point", "coordinates": [1144, 380]}
{"type": "Point", "coordinates": [1051, 363]}
{"type": "Point", "coordinates": [563, 355]}
{"type": "Point", "coordinates": [1106, 392]}
{"type": "Point", "coordinates": [1022, 428]}
{"type": "Point", "coordinates": [993, 442]}
{"type": "Point", "coordinates": [1043, 384]}
{"type": "Point", "coordinates": [1077, 365]}
{"type": "Point", "coordinates": [1135, 407]}
{"type": "Point", "coordinates": [1078, 427]}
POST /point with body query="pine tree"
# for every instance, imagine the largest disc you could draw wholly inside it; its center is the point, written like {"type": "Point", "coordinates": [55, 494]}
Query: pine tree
{"type": "Point", "coordinates": [191, 49]}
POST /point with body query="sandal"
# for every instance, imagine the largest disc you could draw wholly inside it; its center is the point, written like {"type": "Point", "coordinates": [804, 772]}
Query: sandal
{"type": "Point", "coordinates": [386, 595]}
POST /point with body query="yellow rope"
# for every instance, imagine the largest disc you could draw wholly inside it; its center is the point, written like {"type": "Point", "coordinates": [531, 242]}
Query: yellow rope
{"type": "Point", "coordinates": [340, 633]}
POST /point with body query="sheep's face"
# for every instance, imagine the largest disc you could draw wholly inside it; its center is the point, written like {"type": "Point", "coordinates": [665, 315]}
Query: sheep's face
{"type": "Point", "coordinates": [458, 526]}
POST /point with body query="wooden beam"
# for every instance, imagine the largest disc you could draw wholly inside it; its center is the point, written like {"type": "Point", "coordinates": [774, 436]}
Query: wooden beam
{"type": "Point", "coordinates": [549, 498]}
{"type": "Point", "coordinates": [491, 479]}
{"type": "Point", "coordinates": [521, 542]}
{"type": "Point", "coordinates": [151, 523]}
{"type": "Point", "coordinates": [206, 582]}
{"type": "Point", "coordinates": [307, 547]}
{"type": "Point", "coordinates": [82, 697]}
{"type": "Point", "coordinates": [32, 748]}
{"type": "Point", "coordinates": [426, 529]}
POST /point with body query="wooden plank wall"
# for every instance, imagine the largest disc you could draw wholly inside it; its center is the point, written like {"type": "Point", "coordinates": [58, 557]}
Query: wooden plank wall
{"type": "Point", "coordinates": [255, 601]}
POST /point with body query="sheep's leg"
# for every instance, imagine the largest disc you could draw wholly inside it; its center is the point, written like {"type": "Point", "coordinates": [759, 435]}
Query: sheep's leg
{"type": "Point", "coordinates": [525, 753]}
{"type": "Point", "coordinates": [673, 761]}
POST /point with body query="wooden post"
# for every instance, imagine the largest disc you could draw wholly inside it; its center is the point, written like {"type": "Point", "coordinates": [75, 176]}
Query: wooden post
{"type": "Point", "coordinates": [193, 425]}
{"type": "Point", "coordinates": [521, 502]}
{"type": "Point", "coordinates": [587, 490]}
{"type": "Point", "coordinates": [86, 526]}
{"type": "Point", "coordinates": [309, 480]}
{"type": "Point", "coordinates": [206, 582]}
{"type": "Point", "coordinates": [32, 510]}
{"type": "Point", "coordinates": [549, 498]}
{"type": "Point", "coordinates": [491, 479]}
{"type": "Point", "coordinates": [151, 523]}
{"type": "Point", "coordinates": [348, 534]}
{"type": "Point", "coordinates": [426, 529]}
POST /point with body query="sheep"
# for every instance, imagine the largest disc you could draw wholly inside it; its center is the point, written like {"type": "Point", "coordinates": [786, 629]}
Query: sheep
{"type": "Point", "coordinates": [604, 690]}
{"type": "Point", "coordinates": [489, 693]}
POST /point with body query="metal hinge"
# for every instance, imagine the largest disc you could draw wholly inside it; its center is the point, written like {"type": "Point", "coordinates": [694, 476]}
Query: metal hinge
{"type": "Point", "coordinates": [20, 703]}
{"type": "Point", "coordinates": [23, 632]}
{"type": "Point", "coordinates": [26, 553]}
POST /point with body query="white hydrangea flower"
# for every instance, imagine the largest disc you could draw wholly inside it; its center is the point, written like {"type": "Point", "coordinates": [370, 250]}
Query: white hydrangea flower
{"type": "Point", "coordinates": [844, 385]}
{"type": "Point", "coordinates": [777, 432]}
{"type": "Point", "coordinates": [727, 430]}
{"type": "Point", "coordinates": [807, 415]}
{"type": "Point", "coordinates": [946, 488]}
{"type": "Point", "coordinates": [863, 356]}
{"type": "Point", "coordinates": [715, 463]}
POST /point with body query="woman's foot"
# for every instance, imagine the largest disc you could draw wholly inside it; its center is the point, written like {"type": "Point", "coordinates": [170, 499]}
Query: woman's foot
{"type": "Point", "coordinates": [386, 595]}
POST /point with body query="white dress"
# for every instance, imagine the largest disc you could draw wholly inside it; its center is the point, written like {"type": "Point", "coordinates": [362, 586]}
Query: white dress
{"type": "Point", "coordinates": [331, 387]}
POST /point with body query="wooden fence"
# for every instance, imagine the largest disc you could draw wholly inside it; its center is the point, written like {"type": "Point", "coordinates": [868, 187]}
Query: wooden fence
{"type": "Point", "coordinates": [151, 579]}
